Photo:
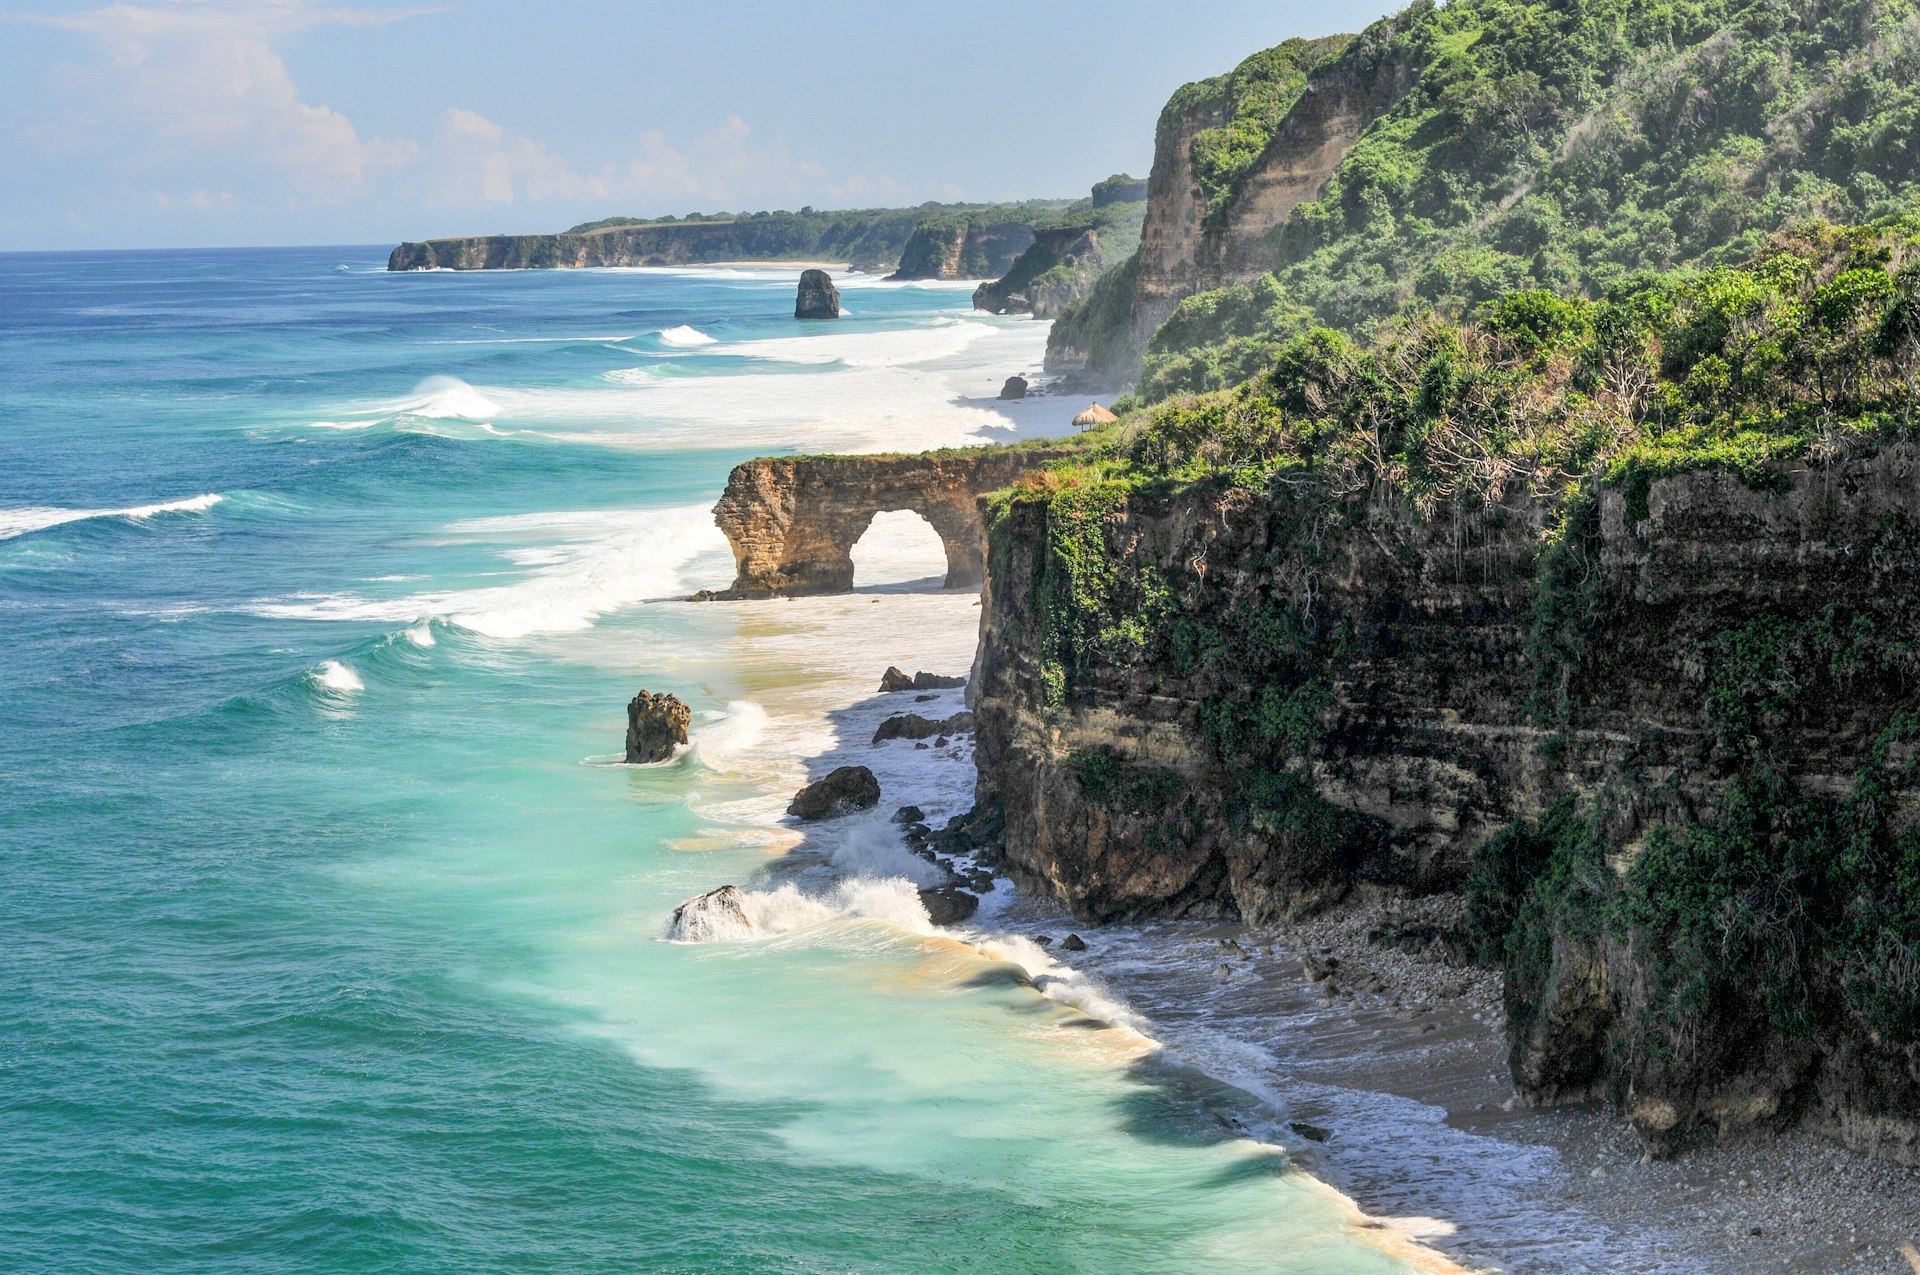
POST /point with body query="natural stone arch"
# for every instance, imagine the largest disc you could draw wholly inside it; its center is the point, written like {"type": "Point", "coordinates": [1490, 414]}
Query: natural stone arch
{"type": "Point", "coordinates": [898, 547]}
{"type": "Point", "coordinates": [793, 522]}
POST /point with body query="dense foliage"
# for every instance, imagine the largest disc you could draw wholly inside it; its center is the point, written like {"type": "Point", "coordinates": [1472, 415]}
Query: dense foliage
{"type": "Point", "coordinates": [1811, 346]}
{"type": "Point", "coordinates": [1570, 146]}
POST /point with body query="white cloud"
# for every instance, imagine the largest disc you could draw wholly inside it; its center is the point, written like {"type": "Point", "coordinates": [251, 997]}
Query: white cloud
{"type": "Point", "coordinates": [204, 76]}
{"type": "Point", "coordinates": [190, 108]}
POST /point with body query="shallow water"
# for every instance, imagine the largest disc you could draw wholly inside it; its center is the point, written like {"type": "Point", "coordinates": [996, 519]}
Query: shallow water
{"type": "Point", "coordinates": [332, 930]}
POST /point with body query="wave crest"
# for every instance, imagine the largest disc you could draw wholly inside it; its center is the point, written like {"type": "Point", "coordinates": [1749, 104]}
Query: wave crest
{"type": "Point", "coordinates": [19, 522]}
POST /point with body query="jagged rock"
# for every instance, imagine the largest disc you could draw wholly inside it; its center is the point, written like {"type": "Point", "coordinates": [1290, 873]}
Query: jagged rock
{"type": "Point", "coordinates": [1073, 943]}
{"type": "Point", "coordinates": [656, 725]}
{"type": "Point", "coordinates": [717, 914]}
{"type": "Point", "coordinates": [948, 905]}
{"type": "Point", "coordinates": [1014, 390]}
{"type": "Point", "coordinates": [1311, 1132]}
{"type": "Point", "coordinates": [842, 792]}
{"type": "Point", "coordinates": [793, 521]}
{"type": "Point", "coordinates": [914, 726]}
{"type": "Point", "coordinates": [909, 815]}
{"type": "Point", "coordinates": [818, 298]}
{"type": "Point", "coordinates": [894, 680]}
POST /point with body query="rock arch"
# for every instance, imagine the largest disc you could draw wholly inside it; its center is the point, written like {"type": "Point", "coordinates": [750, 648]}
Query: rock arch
{"type": "Point", "coordinates": [793, 522]}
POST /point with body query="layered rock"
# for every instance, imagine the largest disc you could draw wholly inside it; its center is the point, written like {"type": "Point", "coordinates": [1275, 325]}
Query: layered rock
{"type": "Point", "coordinates": [817, 298]}
{"type": "Point", "coordinates": [793, 522]}
{"type": "Point", "coordinates": [1324, 700]}
{"type": "Point", "coordinates": [656, 726]}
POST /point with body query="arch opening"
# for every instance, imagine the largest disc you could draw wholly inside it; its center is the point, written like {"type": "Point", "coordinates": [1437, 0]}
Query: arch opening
{"type": "Point", "coordinates": [899, 552]}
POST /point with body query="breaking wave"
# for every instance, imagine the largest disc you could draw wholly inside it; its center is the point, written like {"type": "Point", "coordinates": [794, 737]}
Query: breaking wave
{"type": "Point", "coordinates": [19, 522]}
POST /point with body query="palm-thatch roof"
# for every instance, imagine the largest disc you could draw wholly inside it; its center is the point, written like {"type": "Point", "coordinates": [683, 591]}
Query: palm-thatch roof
{"type": "Point", "coordinates": [1094, 415]}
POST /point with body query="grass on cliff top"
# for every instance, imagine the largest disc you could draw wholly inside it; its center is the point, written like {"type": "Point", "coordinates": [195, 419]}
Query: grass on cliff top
{"type": "Point", "coordinates": [1811, 349]}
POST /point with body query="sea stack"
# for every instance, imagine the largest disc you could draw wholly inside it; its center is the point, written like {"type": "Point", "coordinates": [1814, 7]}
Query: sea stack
{"type": "Point", "coordinates": [656, 725]}
{"type": "Point", "coordinates": [818, 298]}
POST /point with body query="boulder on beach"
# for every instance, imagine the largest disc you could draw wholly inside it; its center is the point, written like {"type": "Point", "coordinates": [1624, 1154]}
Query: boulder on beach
{"type": "Point", "coordinates": [717, 914]}
{"type": "Point", "coordinates": [846, 790]}
{"type": "Point", "coordinates": [656, 725]}
{"type": "Point", "coordinates": [1014, 390]}
{"type": "Point", "coordinates": [818, 298]}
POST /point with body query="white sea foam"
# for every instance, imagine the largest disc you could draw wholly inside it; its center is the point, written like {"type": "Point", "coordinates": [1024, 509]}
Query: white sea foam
{"type": "Point", "coordinates": [684, 337]}
{"type": "Point", "coordinates": [448, 398]}
{"type": "Point", "coordinates": [18, 522]}
{"type": "Point", "coordinates": [723, 736]}
{"type": "Point", "coordinates": [337, 677]}
{"type": "Point", "coordinates": [420, 634]}
{"type": "Point", "coordinates": [581, 565]}
{"type": "Point", "coordinates": [788, 909]}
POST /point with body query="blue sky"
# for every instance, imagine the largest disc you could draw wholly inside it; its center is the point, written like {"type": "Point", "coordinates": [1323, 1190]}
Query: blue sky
{"type": "Point", "coordinates": [157, 123]}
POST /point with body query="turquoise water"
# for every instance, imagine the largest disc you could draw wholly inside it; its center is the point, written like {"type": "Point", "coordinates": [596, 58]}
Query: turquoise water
{"type": "Point", "coordinates": [331, 935]}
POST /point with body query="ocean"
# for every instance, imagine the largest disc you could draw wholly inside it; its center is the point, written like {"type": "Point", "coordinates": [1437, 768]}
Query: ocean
{"type": "Point", "coordinates": [331, 926]}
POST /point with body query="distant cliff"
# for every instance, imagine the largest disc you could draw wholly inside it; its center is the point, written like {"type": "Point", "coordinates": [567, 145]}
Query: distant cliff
{"type": "Point", "coordinates": [1070, 252]}
{"type": "Point", "coordinates": [871, 239]}
{"type": "Point", "coordinates": [977, 243]}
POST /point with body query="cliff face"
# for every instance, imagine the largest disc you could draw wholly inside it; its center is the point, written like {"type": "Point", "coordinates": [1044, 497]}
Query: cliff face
{"type": "Point", "coordinates": [1194, 238]}
{"type": "Point", "coordinates": [1668, 758]}
{"type": "Point", "coordinates": [943, 248]}
{"type": "Point", "coordinates": [1064, 261]}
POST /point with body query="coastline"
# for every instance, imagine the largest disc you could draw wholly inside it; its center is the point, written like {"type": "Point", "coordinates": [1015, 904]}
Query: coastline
{"type": "Point", "coordinates": [1399, 1058]}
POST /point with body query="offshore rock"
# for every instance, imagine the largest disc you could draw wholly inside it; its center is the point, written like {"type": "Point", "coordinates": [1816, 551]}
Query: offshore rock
{"type": "Point", "coordinates": [717, 915]}
{"type": "Point", "coordinates": [1014, 390]}
{"type": "Point", "coordinates": [818, 298]}
{"type": "Point", "coordinates": [914, 726]}
{"type": "Point", "coordinates": [844, 791]}
{"type": "Point", "coordinates": [948, 905]}
{"type": "Point", "coordinates": [894, 681]}
{"type": "Point", "coordinates": [656, 725]}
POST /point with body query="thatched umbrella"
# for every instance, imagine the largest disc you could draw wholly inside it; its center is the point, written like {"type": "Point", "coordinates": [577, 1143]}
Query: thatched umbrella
{"type": "Point", "coordinates": [1095, 415]}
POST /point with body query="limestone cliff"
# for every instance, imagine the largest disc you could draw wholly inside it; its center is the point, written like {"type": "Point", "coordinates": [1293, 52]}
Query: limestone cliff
{"type": "Point", "coordinates": [1670, 758]}
{"type": "Point", "coordinates": [1206, 226]}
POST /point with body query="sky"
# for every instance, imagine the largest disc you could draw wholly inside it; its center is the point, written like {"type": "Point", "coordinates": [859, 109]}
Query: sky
{"type": "Point", "coordinates": [198, 123]}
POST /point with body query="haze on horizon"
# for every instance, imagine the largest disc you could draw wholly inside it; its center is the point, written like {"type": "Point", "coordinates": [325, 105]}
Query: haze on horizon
{"type": "Point", "coordinates": [187, 123]}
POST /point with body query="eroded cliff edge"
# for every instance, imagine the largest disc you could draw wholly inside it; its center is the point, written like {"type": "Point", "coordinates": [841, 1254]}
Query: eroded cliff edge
{"type": "Point", "coordinates": [1669, 757]}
